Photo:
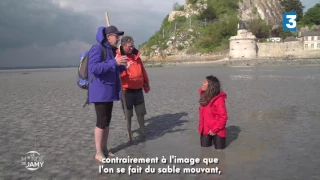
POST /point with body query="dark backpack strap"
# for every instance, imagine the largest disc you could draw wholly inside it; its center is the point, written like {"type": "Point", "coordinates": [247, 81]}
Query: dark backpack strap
{"type": "Point", "coordinates": [104, 56]}
{"type": "Point", "coordinates": [104, 52]}
{"type": "Point", "coordinates": [87, 101]}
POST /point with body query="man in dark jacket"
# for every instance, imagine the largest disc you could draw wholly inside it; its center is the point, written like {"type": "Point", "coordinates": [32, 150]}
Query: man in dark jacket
{"type": "Point", "coordinates": [105, 86]}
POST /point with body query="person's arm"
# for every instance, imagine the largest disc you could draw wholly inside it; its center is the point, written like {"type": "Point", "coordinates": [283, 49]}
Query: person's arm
{"type": "Point", "coordinates": [223, 115]}
{"type": "Point", "coordinates": [146, 85]}
{"type": "Point", "coordinates": [97, 65]}
{"type": "Point", "coordinates": [122, 68]}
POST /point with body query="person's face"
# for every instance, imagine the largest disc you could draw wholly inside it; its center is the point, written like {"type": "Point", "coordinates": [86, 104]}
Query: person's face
{"type": "Point", "coordinates": [113, 39]}
{"type": "Point", "coordinates": [128, 48]}
{"type": "Point", "coordinates": [204, 85]}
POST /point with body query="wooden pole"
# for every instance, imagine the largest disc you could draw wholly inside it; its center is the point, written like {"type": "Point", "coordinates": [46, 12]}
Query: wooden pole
{"type": "Point", "coordinates": [123, 95]}
{"type": "Point", "coordinates": [107, 19]}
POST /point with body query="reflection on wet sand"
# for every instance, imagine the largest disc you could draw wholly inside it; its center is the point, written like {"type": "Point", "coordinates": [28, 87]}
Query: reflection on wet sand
{"type": "Point", "coordinates": [264, 136]}
{"type": "Point", "coordinates": [286, 112]}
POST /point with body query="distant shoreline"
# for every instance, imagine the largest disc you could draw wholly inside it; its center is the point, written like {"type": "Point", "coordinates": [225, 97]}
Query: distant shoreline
{"type": "Point", "coordinates": [220, 62]}
{"type": "Point", "coordinates": [35, 67]}
{"type": "Point", "coordinates": [238, 62]}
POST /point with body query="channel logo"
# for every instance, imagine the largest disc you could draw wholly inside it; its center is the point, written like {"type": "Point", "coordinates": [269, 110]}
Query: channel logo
{"type": "Point", "coordinates": [289, 21]}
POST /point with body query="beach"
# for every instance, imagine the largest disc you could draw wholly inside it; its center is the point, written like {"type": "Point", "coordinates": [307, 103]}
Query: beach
{"type": "Point", "coordinates": [272, 130]}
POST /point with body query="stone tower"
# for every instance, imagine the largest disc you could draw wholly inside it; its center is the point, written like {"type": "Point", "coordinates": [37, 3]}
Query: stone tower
{"type": "Point", "coordinates": [243, 45]}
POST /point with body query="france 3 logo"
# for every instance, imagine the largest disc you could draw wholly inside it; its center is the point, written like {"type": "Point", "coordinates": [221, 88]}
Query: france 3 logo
{"type": "Point", "coordinates": [289, 22]}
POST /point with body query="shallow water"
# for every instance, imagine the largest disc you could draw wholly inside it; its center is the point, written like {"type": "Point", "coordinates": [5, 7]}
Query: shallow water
{"type": "Point", "coordinates": [273, 126]}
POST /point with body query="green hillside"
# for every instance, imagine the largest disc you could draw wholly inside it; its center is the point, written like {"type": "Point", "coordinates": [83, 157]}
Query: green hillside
{"type": "Point", "coordinates": [209, 30]}
{"type": "Point", "coordinates": [207, 38]}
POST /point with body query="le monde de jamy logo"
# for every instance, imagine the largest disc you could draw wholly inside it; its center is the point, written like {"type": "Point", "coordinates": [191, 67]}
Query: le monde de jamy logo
{"type": "Point", "coordinates": [32, 161]}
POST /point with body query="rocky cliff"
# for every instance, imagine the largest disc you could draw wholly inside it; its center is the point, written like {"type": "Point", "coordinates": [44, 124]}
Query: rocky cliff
{"type": "Point", "coordinates": [189, 10]}
{"type": "Point", "coordinates": [269, 10]}
{"type": "Point", "coordinates": [181, 29]}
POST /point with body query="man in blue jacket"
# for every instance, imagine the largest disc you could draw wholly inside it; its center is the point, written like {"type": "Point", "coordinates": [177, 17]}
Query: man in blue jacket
{"type": "Point", "coordinates": [105, 86]}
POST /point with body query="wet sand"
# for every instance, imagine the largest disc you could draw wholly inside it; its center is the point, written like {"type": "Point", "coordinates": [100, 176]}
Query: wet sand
{"type": "Point", "coordinates": [273, 126]}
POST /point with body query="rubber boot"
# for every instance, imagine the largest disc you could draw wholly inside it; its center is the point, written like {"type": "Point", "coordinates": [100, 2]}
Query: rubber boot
{"type": "Point", "coordinates": [141, 125]}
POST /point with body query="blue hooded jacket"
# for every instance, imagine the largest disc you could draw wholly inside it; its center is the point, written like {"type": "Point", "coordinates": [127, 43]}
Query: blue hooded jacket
{"type": "Point", "coordinates": [105, 86]}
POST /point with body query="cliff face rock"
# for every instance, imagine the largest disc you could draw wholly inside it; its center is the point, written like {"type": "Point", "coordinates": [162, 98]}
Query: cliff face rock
{"type": "Point", "coordinates": [189, 10]}
{"type": "Point", "coordinates": [175, 14]}
{"type": "Point", "coordinates": [196, 9]}
{"type": "Point", "coordinates": [269, 10]}
{"type": "Point", "coordinates": [176, 45]}
{"type": "Point", "coordinates": [313, 28]}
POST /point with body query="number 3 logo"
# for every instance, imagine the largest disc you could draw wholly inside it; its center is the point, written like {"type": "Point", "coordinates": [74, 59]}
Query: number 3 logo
{"type": "Point", "coordinates": [292, 21]}
{"type": "Point", "coordinates": [289, 22]}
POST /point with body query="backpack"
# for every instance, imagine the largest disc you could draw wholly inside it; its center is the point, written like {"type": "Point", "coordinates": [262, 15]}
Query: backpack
{"type": "Point", "coordinates": [83, 77]}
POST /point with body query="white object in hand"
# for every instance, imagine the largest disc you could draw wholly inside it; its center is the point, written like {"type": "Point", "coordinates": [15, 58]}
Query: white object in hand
{"type": "Point", "coordinates": [129, 64]}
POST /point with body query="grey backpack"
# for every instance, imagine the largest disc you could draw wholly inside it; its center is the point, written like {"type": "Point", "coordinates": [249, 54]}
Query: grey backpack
{"type": "Point", "coordinates": [83, 77]}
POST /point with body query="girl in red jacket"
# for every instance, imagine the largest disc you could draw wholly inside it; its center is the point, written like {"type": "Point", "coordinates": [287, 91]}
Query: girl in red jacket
{"type": "Point", "coordinates": [212, 114]}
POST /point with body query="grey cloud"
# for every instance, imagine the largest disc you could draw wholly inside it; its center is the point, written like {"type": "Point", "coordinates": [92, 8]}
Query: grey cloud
{"type": "Point", "coordinates": [40, 32]}
{"type": "Point", "coordinates": [137, 18]}
{"type": "Point", "coordinates": [43, 23]}
{"type": "Point", "coordinates": [62, 54]}
{"type": "Point", "coordinates": [125, 7]}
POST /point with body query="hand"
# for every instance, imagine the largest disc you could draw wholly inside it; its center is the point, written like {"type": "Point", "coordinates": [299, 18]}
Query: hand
{"type": "Point", "coordinates": [129, 64]}
{"type": "Point", "coordinates": [122, 60]}
{"type": "Point", "coordinates": [211, 133]}
{"type": "Point", "coordinates": [146, 88]}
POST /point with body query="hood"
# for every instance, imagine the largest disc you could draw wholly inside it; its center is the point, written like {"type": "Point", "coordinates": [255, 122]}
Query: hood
{"type": "Point", "coordinates": [222, 94]}
{"type": "Point", "coordinates": [100, 35]}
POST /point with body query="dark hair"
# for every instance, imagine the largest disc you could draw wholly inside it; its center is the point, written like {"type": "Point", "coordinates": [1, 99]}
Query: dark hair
{"type": "Point", "coordinates": [212, 91]}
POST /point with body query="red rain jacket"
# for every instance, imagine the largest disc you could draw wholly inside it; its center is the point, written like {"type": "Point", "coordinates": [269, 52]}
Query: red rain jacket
{"type": "Point", "coordinates": [135, 77]}
{"type": "Point", "coordinates": [213, 116]}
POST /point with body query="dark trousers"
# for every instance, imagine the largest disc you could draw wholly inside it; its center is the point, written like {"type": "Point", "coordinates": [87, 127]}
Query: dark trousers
{"type": "Point", "coordinates": [134, 97]}
{"type": "Point", "coordinates": [104, 114]}
{"type": "Point", "coordinates": [217, 141]}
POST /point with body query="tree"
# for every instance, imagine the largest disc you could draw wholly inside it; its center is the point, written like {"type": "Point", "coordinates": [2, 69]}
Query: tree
{"type": "Point", "coordinates": [191, 1]}
{"type": "Point", "coordinates": [177, 7]}
{"type": "Point", "coordinates": [229, 26]}
{"type": "Point", "coordinates": [259, 28]}
{"type": "Point", "coordinates": [208, 14]}
{"type": "Point", "coordinates": [283, 34]}
{"type": "Point", "coordinates": [312, 16]}
{"type": "Point", "coordinates": [223, 7]}
{"type": "Point", "coordinates": [279, 32]}
{"type": "Point", "coordinates": [293, 5]}
{"type": "Point", "coordinates": [275, 32]}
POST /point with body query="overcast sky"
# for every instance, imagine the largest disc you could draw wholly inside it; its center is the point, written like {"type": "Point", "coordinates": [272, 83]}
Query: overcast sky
{"type": "Point", "coordinates": [56, 32]}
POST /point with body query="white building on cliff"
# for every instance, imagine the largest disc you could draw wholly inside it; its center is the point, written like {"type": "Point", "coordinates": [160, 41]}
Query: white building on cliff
{"type": "Point", "coordinates": [243, 45]}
